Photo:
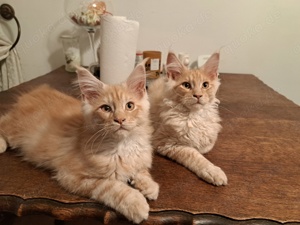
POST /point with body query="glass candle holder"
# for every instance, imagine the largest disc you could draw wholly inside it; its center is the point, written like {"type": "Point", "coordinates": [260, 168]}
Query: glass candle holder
{"type": "Point", "coordinates": [71, 51]}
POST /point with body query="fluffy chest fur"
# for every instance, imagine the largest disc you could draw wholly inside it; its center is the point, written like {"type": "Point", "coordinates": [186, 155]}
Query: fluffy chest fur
{"type": "Point", "coordinates": [198, 128]}
{"type": "Point", "coordinates": [121, 160]}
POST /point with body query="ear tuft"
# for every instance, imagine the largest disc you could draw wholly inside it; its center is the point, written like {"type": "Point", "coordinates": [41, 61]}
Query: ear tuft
{"type": "Point", "coordinates": [136, 82]}
{"type": "Point", "coordinates": [90, 87]}
{"type": "Point", "coordinates": [174, 66]}
{"type": "Point", "coordinates": [211, 66]}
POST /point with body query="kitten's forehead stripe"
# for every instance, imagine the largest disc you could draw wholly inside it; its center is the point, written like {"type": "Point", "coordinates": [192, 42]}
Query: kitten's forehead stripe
{"type": "Point", "coordinates": [195, 77]}
{"type": "Point", "coordinates": [116, 95]}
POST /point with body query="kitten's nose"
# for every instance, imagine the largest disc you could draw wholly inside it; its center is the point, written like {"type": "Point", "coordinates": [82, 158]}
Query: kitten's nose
{"type": "Point", "coordinates": [197, 96]}
{"type": "Point", "coordinates": [119, 120]}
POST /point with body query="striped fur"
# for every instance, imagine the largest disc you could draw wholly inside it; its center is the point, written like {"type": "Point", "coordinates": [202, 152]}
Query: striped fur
{"type": "Point", "coordinates": [101, 154]}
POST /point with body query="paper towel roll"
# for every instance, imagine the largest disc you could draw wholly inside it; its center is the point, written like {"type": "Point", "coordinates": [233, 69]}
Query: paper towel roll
{"type": "Point", "coordinates": [118, 47]}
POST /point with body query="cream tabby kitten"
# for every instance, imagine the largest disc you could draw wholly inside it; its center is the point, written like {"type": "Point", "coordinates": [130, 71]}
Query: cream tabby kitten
{"type": "Point", "coordinates": [99, 148]}
{"type": "Point", "coordinates": [184, 111]}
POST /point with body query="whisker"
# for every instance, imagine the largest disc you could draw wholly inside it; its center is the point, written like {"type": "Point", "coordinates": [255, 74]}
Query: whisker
{"type": "Point", "coordinates": [104, 134]}
{"type": "Point", "coordinates": [100, 142]}
{"type": "Point", "coordinates": [88, 127]}
{"type": "Point", "coordinates": [92, 137]}
{"type": "Point", "coordinates": [227, 109]}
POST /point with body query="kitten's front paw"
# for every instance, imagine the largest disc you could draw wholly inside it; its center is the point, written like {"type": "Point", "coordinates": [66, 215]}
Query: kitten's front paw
{"type": "Point", "coordinates": [151, 191]}
{"type": "Point", "coordinates": [136, 208]}
{"type": "Point", "coordinates": [148, 187]}
{"type": "Point", "coordinates": [214, 175]}
{"type": "Point", "coordinates": [3, 145]}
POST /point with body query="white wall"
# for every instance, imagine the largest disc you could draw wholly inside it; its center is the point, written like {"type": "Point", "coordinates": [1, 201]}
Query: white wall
{"type": "Point", "coordinates": [261, 37]}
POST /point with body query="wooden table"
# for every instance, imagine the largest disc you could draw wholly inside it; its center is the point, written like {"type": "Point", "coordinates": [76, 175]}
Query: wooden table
{"type": "Point", "coordinates": [258, 148]}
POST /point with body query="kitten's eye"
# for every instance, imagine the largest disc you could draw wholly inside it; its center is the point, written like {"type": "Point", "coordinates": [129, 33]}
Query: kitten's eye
{"type": "Point", "coordinates": [106, 108]}
{"type": "Point", "coordinates": [205, 84]}
{"type": "Point", "coordinates": [130, 106]}
{"type": "Point", "coordinates": [187, 85]}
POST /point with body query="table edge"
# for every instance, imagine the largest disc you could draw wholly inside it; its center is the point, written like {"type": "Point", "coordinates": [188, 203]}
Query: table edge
{"type": "Point", "coordinates": [70, 211]}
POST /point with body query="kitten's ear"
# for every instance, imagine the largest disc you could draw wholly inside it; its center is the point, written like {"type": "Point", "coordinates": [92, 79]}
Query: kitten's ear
{"type": "Point", "coordinates": [211, 66]}
{"type": "Point", "coordinates": [90, 87]}
{"type": "Point", "coordinates": [136, 82]}
{"type": "Point", "coordinates": [174, 66]}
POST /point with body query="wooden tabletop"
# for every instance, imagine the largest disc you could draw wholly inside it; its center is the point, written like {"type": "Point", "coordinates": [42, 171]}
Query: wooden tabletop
{"type": "Point", "coordinates": [258, 148]}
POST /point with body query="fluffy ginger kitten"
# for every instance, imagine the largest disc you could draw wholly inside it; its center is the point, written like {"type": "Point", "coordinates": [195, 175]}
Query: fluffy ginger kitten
{"type": "Point", "coordinates": [184, 111]}
{"type": "Point", "coordinates": [99, 148]}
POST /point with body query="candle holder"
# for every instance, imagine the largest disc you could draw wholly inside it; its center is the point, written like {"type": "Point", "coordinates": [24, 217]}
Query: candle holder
{"type": "Point", "coordinates": [87, 14]}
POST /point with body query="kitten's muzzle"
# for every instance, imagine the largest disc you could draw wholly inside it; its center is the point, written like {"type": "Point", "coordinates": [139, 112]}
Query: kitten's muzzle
{"type": "Point", "coordinates": [197, 96]}
{"type": "Point", "coordinates": [120, 120]}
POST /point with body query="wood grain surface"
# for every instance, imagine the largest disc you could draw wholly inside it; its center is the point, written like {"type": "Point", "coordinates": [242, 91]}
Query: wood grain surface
{"type": "Point", "coordinates": [258, 148]}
